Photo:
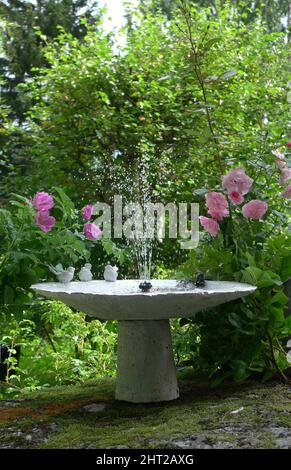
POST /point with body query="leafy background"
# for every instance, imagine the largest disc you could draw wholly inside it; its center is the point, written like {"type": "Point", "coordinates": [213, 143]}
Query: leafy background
{"type": "Point", "coordinates": [80, 117]}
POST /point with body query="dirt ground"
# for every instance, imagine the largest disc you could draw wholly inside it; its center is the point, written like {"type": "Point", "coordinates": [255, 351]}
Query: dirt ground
{"type": "Point", "coordinates": [249, 415]}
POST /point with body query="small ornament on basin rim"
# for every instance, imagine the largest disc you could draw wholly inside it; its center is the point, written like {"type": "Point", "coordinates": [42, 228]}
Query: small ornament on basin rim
{"type": "Point", "coordinates": [110, 273]}
{"type": "Point", "coordinates": [85, 273]}
{"type": "Point", "coordinates": [63, 275]}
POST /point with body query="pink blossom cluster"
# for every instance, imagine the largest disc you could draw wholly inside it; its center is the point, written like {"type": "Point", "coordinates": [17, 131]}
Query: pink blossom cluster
{"type": "Point", "coordinates": [237, 184]}
{"type": "Point", "coordinates": [255, 209]}
{"type": "Point", "coordinates": [285, 172]}
{"type": "Point", "coordinates": [43, 202]}
{"type": "Point", "coordinates": [90, 229]}
{"type": "Point", "coordinates": [217, 205]}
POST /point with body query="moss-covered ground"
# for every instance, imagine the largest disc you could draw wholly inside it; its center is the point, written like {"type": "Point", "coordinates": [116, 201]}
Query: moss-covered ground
{"type": "Point", "coordinates": [249, 415]}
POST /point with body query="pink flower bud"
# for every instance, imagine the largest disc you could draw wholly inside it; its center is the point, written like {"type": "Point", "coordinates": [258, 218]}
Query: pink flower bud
{"type": "Point", "coordinates": [44, 220]}
{"type": "Point", "coordinates": [87, 211]}
{"type": "Point", "coordinates": [236, 180]}
{"type": "Point", "coordinates": [210, 225]}
{"type": "Point", "coordinates": [279, 155]}
{"type": "Point", "coordinates": [236, 197]}
{"type": "Point", "coordinates": [255, 209]}
{"type": "Point", "coordinates": [92, 231]}
{"type": "Point", "coordinates": [217, 205]}
{"type": "Point", "coordinates": [42, 201]}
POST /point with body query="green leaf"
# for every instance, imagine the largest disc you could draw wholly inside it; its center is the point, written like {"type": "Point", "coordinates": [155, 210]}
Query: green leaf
{"type": "Point", "coordinates": [107, 245]}
{"type": "Point", "coordinates": [234, 319]}
{"type": "Point", "coordinates": [66, 203]}
{"type": "Point", "coordinates": [280, 299]}
{"type": "Point", "coordinates": [79, 246]}
{"type": "Point", "coordinates": [248, 331]}
{"type": "Point", "coordinates": [8, 295]}
{"type": "Point", "coordinates": [249, 313]}
{"type": "Point", "coordinates": [251, 259]}
{"type": "Point", "coordinates": [251, 275]}
{"type": "Point", "coordinates": [267, 375]}
{"type": "Point", "coordinates": [240, 371]}
{"type": "Point", "coordinates": [277, 314]}
{"type": "Point", "coordinates": [205, 136]}
{"type": "Point", "coordinates": [20, 198]}
{"type": "Point", "coordinates": [257, 277]}
{"type": "Point", "coordinates": [210, 43]}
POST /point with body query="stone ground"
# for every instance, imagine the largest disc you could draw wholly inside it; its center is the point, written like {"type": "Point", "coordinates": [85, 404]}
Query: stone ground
{"type": "Point", "coordinates": [252, 415]}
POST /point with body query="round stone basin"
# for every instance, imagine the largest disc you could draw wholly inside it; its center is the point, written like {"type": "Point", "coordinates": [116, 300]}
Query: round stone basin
{"type": "Point", "coordinates": [145, 365]}
{"type": "Point", "coordinates": [123, 300]}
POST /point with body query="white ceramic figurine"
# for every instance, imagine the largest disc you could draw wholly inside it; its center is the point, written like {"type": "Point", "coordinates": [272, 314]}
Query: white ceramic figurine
{"type": "Point", "coordinates": [110, 273]}
{"type": "Point", "coordinates": [63, 275]}
{"type": "Point", "coordinates": [85, 273]}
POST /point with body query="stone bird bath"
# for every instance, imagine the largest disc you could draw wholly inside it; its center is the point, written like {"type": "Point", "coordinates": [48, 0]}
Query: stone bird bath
{"type": "Point", "coordinates": [145, 364]}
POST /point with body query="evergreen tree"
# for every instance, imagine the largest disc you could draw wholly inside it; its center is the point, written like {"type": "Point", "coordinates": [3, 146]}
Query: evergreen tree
{"type": "Point", "coordinates": [272, 12]}
{"type": "Point", "coordinates": [26, 26]}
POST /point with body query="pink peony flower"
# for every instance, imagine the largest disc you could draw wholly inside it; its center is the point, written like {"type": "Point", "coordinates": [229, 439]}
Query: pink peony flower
{"type": "Point", "coordinates": [44, 220]}
{"type": "Point", "coordinates": [43, 201]}
{"type": "Point", "coordinates": [87, 211]}
{"type": "Point", "coordinates": [210, 225]}
{"type": "Point", "coordinates": [288, 144]}
{"type": "Point", "coordinates": [287, 192]}
{"type": "Point", "coordinates": [92, 231]}
{"type": "Point", "coordinates": [237, 180]}
{"type": "Point", "coordinates": [236, 197]}
{"type": "Point", "coordinates": [285, 175]}
{"type": "Point", "coordinates": [279, 155]}
{"type": "Point", "coordinates": [255, 209]}
{"type": "Point", "coordinates": [217, 205]}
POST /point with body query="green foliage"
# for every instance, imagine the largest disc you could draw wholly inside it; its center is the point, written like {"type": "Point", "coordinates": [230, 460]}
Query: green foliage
{"type": "Point", "coordinates": [185, 338]}
{"type": "Point", "coordinates": [68, 347]}
{"type": "Point", "coordinates": [58, 346]}
{"type": "Point", "coordinates": [26, 251]}
{"type": "Point", "coordinates": [101, 113]}
{"type": "Point", "coordinates": [244, 337]}
{"type": "Point", "coordinates": [184, 112]}
{"type": "Point", "coordinates": [270, 12]}
{"type": "Point", "coordinates": [26, 27]}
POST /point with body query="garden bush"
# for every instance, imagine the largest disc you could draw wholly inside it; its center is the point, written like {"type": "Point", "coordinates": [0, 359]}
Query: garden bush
{"type": "Point", "coordinates": [36, 234]}
{"type": "Point", "coordinates": [186, 101]}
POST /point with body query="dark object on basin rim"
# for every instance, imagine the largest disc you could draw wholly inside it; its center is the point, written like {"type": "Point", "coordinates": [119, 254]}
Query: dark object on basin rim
{"type": "Point", "coordinates": [200, 280]}
{"type": "Point", "coordinates": [145, 286]}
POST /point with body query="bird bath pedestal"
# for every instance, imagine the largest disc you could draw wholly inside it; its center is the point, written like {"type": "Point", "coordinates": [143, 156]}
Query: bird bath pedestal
{"type": "Point", "coordinates": [145, 364]}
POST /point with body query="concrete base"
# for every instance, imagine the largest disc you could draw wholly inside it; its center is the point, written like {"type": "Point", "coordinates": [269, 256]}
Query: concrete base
{"type": "Point", "coordinates": [145, 364]}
